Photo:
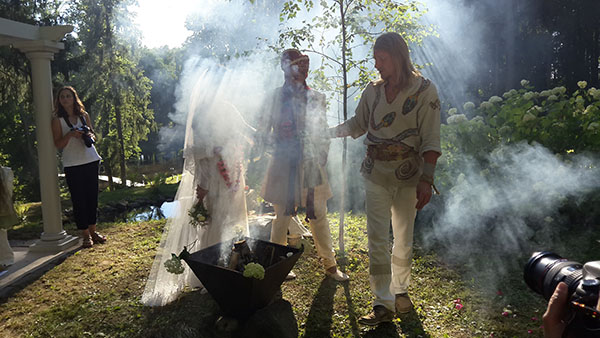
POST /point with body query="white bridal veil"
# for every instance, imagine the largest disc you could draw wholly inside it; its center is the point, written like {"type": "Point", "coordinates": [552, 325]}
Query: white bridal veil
{"type": "Point", "coordinates": [211, 122]}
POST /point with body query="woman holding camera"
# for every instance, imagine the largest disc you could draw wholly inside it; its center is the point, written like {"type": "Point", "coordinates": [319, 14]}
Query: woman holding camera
{"type": "Point", "coordinates": [73, 133]}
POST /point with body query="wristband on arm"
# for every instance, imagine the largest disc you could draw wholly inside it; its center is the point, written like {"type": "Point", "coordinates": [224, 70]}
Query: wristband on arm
{"type": "Point", "coordinates": [427, 175]}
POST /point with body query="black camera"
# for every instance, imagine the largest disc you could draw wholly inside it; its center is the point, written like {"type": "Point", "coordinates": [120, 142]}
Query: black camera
{"type": "Point", "coordinates": [545, 270]}
{"type": "Point", "coordinates": [86, 136]}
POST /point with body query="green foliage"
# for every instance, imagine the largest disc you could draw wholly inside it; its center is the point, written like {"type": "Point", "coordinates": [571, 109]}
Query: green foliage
{"type": "Point", "coordinates": [119, 95]}
{"type": "Point", "coordinates": [341, 29]}
{"type": "Point", "coordinates": [560, 121]}
{"type": "Point", "coordinates": [565, 123]}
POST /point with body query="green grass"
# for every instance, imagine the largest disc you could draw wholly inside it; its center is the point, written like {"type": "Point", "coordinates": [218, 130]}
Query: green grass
{"type": "Point", "coordinates": [31, 213]}
{"type": "Point", "coordinates": [134, 193]}
{"type": "Point", "coordinates": [98, 291]}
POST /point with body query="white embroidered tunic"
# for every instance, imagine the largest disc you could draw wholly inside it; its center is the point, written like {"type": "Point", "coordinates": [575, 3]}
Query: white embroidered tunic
{"type": "Point", "coordinates": [411, 121]}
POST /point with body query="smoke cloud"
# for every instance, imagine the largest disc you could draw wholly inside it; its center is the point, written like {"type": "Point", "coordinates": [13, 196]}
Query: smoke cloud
{"type": "Point", "coordinates": [509, 207]}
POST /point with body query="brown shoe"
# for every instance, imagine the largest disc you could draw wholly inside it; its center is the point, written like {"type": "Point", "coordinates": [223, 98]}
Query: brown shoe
{"type": "Point", "coordinates": [379, 315]}
{"type": "Point", "coordinates": [403, 303]}
{"type": "Point", "coordinates": [97, 238]}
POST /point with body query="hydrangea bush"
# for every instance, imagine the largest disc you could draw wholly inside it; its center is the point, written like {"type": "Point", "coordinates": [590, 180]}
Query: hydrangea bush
{"type": "Point", "coordinates": [558, 120]}
{"type": "Point", "coordinates": [565, 123]}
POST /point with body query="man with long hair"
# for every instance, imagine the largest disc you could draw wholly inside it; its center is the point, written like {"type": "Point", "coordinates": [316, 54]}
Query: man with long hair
{"type": "Point", "coordinates": [400, 113]}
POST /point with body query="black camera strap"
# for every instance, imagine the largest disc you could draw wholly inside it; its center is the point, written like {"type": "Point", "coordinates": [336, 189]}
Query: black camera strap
{"type": "Point", "coordinates": [66, 118]}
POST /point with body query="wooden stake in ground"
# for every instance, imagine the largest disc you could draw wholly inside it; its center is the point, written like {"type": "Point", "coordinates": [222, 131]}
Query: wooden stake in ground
{"type": "Point", "coordinates": [345, 111]}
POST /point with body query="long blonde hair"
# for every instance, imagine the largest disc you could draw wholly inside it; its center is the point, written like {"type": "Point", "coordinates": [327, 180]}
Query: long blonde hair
{"type": "Point", "coordinates": [396, 46]}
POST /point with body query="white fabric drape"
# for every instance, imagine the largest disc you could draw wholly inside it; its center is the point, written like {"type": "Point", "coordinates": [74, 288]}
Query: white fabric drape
{"type": "Point", "coordinates": [211, 123]}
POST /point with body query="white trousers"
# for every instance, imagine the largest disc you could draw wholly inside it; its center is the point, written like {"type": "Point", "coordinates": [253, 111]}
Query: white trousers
{"type": "Point", "coordinates": [390, 274]}
{"type": "Point", "coordinates": [319, 228]}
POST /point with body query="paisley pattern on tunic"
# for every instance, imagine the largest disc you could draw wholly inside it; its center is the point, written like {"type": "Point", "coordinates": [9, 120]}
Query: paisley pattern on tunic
{"type": "Point", "coordinates": [367, 165]}
{"type": "Point", "coordinates": [412, 100]}
{"type": "Point", "coordinates": [385, 122]}
{"type": "Point", "coordinates": [407, 169]}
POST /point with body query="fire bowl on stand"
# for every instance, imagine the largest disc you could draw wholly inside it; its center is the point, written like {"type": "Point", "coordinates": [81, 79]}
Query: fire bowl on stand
{"type": "Point", "coordinates": [240, 296]}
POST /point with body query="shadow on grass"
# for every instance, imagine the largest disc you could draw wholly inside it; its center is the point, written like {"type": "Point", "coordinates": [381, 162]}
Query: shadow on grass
{"type": "Point", "coordinates": [383, 330]}
{"type": "Point", "coordinates": [319, 320]}
{"type": "Point", "coordinates": [193, 314]}
{"type": "Point", "coordinates": [409, 324]}
{"type": "Point", "coordinates": [351, 312]}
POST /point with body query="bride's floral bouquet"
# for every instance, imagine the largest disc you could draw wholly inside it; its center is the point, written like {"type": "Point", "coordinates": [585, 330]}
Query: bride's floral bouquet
{"type": "Point", "coordinates": [198, 214]}
{"type": "Point", "coordinates": [173, 265]}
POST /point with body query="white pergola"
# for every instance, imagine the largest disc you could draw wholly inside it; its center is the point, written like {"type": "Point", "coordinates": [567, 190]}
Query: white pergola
{"type": "Point", "coordinates": [39, 45]}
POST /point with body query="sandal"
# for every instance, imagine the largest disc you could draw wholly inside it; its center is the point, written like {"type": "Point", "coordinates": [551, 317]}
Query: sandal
{"type": "Point", "coordinates": [97, 238]}
{"type": "Point", "coordinates": [87, 242]}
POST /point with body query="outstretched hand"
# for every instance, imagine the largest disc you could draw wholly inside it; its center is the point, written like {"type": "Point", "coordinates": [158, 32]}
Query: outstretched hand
{"type": "Point", "coordinates": [423, 194]}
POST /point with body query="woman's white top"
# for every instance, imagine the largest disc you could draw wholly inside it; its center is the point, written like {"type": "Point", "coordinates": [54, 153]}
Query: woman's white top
{"type": "Point", "coordinates": [75, 152]}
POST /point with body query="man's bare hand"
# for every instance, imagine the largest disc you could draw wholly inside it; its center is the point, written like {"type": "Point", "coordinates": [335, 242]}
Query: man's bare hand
{"type": "Point", "coordinates": [423, 194]}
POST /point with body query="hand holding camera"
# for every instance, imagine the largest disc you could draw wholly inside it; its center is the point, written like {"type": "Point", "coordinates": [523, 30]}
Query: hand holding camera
{"type": "Point", "coordinates": [85, 134]}
{"type": "Point", "coordinates": [572, 291]}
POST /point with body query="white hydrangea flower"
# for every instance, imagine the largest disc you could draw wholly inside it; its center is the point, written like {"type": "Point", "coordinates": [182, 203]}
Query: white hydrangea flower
{"type": "Point", "coordinates": [457, 118]}
{"type": "Point", "coordinates": [557, 90]}
{"type": "Point", "coordinates": [535, 110]}
{"type": "Point", "coordinates": [452, 111]}
{"type": "Point", "coordinates": [509, 94]}
{"type": "Point", "coordinates": [477, 119]}
{"type": "Point", "coordinates": [593, 126]}
{"type": "Point", "coordinates": [528, 117]}
{"type": "Point", "coordinates": [545, 93]}
{"type": "Point", "coordinates": [485, 105]}
{"type": "Point", "coordinates": [495, 99]}
{"type": "Point", "coordinates": [588, 109]}
{"type": "Point", "coordinates": [579, 100]}
{"type": "Point", "coordinates": [592, 91]}
{"type": "Point", "coordinates": [582, 84]}
{"type": "Point", "coordinates": [469, 105]}
{"type": "Point", "coordinates": [552, 97]}
{"type": "Point", "coordinates": [524, 83]}
{"type": "Point", "coordinates": [528, 96]}
{"type": "Point", "coordinates": [548, 219]}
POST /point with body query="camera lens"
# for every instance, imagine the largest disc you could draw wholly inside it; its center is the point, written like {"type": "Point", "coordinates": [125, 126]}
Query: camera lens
{"type": "Point", "coordinates": [545, 270]}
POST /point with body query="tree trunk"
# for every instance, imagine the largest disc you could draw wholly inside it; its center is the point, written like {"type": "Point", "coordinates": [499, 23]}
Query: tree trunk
{"type": "Point", "coordinates": [345, 146]}
{"type": "Point", "coordinates": [109, 172]}
{"type": "Point", "coordinates": [119, 122]}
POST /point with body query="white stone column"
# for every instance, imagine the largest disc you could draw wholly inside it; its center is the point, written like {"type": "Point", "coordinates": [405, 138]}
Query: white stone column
{"type": "Point", "coordinates": [40, 53]}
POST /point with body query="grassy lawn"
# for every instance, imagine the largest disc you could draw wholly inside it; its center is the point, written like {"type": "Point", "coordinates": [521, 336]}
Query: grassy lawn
{"type": "Point", "coordinates": [31, 213]}
{"type": "Point", "coordinates": [96, 292]}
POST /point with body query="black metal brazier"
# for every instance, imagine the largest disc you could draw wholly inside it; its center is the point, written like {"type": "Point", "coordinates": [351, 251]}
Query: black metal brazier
{"type": "Point", "coordinates": [240, 296]}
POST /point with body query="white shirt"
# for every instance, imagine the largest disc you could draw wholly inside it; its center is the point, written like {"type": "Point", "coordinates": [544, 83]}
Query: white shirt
{"type": "Point", "coordinates": [75, 152]}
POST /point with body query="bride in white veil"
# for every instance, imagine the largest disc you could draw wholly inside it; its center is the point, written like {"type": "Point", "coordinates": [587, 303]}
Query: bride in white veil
{"type": "Point", "coordinates": [215, 138]}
